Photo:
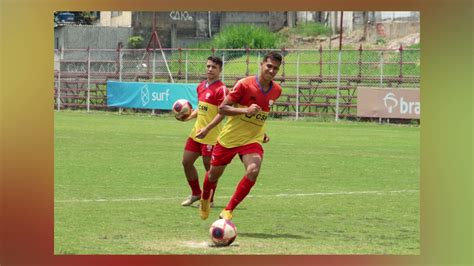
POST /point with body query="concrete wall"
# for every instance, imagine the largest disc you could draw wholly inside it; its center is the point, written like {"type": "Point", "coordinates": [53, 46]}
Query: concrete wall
{"type": "Point", "coordinates": [175, 24]}
{"type": "Point", "coordinates": [83, 36]}
{"type": "Point", "coordinates": [107, 18]}
{"type": "Point", "coordinates": [334, 21]}
{"type": "Point", "coordinates": [179, 28]}
{"type": "Point", "coordinates": [256, 18]}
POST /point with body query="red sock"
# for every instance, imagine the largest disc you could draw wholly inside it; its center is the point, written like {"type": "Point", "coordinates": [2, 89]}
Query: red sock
{"type": "Point", "coordinates": [243, 188]}
{"type": "Point", "coordinates": [207, 187]}
{"type": "Point", "coordinates": [214, 192]}
{"type": "Point", "coordinates": [194, 185]}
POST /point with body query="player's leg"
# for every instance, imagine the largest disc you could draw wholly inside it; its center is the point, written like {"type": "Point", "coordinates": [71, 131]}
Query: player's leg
{"type": "Point", "coordinates": [221, 156]}
{"type": "Point", "coordinates": [208, 189]}
{"type": "Point", "coordinates": [206, 151]}
{"type": "Point", "coordinates": [251, 156]}
{"type": "Point", "coordinates": [190, 155]}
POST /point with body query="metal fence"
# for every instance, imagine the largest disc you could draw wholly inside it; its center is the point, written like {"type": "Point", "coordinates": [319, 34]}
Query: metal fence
{"type": "Point", "coordinates": [314, 81]}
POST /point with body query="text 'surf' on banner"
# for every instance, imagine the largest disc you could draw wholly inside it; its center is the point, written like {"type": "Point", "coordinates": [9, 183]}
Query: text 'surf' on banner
{"type": "Point", "coordinates": [148, 95]}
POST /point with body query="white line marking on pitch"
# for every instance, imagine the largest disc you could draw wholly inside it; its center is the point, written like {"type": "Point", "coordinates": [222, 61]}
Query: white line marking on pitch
{"type": "Point", "coordinates": [249, 196]}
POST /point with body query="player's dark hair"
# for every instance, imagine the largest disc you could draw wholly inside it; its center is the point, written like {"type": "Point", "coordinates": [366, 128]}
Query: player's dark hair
{"type": "Point", "coordinates": [216, 60]}
{"type": "Point", "coordinates": [276, 56]}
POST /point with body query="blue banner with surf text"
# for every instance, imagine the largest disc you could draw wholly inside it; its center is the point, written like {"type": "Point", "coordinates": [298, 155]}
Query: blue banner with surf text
{"type": "Point", "coordinates": [149, 95]}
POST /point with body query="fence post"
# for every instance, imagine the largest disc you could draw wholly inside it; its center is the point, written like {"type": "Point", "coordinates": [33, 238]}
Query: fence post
{"type": "Point", "coordinates": [58, 96]}
{"type": "Point", "coordinates": [247, 51]}
{"type": "Point", "coordinates": [338, 83]}
{"type": "Point", "coordinates": [120, 63]}
{"type": "Point", "coordinates": [283, 65]}
{"type": "Point", "coordinates": [180, 61]}
{"type": "Point", "coordinates": [297, 84]}
{"type": "Point", "coordinates": [401, 64]}
{"type": "Point", "coordinates": [154, 70]}
{"type": "Point", "coordinates": [320, 61]}
{"type": "Point", "coordinates": [120, 68]}
{"type": "Point", "coordinates": [88, 78]}
{"type": "Point", "coordinates": [186, 66]}
{"type": "Point", "coordinates": [258, 63]}
{"type": "Point", "coordinates": [360, 63]}
{"type": "Point", "coordinates": [154, 62]}
{"type": "Point", "coordinates": [381, 69]}
{"type": "Point", "coordinates": [222, 72]}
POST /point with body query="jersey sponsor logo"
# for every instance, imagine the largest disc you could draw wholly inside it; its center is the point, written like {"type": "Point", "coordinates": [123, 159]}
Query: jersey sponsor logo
{"type": "Point", "coordinates": [258, 119]}
{"type": "Point", "coordinates": [208, 95]}
{"type": "Point", "coordinates": [202, 107]}
{"type": "Point", "coordinates": [209, 147]}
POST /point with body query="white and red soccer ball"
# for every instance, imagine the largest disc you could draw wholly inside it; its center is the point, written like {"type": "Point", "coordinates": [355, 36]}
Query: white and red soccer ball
{"type": "Point", "coordinates": [182, 108]}
{"type": "Point", "coordinates": [223, 232]}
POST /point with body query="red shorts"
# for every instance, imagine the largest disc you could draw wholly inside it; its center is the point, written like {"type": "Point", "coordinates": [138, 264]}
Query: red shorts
{"type": "Point", "coordinates": [194, 146]}
{"type": "Point", "coordinates": [222, 155]}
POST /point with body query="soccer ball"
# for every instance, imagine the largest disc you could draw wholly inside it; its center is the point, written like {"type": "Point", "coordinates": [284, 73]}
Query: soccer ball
{"type": "Point", "coordinates": [223, 232]}
{"type": "Point", "coordinates": [182, 108]}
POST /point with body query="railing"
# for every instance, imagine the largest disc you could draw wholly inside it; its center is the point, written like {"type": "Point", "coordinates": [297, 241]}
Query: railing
{"type": "Point", "coordinates": [308, 76]}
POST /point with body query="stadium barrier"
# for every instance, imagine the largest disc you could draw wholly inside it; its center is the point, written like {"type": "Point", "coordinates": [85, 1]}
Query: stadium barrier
{"type": "Point", "coordinates": [311, 82]}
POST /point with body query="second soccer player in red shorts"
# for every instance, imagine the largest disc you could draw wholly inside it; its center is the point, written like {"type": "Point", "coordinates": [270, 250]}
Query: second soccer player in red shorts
{"type": "Point", "coordinates": [203, 136]}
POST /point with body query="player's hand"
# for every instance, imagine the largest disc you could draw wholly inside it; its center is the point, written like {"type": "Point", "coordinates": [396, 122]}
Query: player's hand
{"type": "Point", "coordinates": [266, 138]}
{"type": "Point", "coordinates": [180, 117]}
{"type": "Point", "coordinates": [253, 109]}
{"type": "Point", "coordinates": [202, 133]}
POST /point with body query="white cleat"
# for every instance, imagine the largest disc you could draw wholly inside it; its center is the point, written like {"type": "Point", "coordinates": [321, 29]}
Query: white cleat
{"type": "Point", "coordinates": [190, 200]}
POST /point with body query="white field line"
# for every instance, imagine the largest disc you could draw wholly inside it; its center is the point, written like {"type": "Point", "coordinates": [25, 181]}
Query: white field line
{"type": "Point", "coordinates": [249, 196]}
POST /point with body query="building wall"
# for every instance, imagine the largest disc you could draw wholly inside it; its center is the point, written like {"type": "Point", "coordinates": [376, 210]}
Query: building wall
{"type": "Point", "coordinates": [116, 18]}
{"type": "Point", "coordinates": [190, 27]}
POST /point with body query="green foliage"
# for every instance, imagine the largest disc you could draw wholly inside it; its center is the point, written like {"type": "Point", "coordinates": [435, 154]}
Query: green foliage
{"type": "Point", "coordinates": [312, 29]}
{"type": "Point", "coordinates": [135, 41]}
{"type": "Point", "coordinates": [246, 36]}
{"type": "Point", "coordinates": [380, 41]}
{"type": "Point", "coordinates": [241, 37]}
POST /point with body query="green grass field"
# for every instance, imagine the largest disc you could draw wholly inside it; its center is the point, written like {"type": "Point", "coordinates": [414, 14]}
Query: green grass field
{"type": "Point", "coordinates": [324, 188]}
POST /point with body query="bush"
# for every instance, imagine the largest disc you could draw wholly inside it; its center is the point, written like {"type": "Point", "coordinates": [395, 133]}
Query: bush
{"type": "Point", "coordinates": [241, 37]}
{"type": "Point", "coordinates": [312, 29]}
{"type": "Point", "coordinates": [135, 41]}
{"type": "Point", "coordinates": [380, 41]}
{"type": "Point", "coordinates": [246, 36]}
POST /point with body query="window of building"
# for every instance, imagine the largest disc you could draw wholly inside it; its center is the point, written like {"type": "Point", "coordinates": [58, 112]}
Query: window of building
{"type": "Point", "coordinates": [116, 13]}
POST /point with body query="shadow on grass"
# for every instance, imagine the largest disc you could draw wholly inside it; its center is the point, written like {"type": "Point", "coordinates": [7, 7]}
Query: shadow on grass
{"type": "Point", "coordinates": [263, 235]}
{"type": "Point", "coordinates": [219, 208]}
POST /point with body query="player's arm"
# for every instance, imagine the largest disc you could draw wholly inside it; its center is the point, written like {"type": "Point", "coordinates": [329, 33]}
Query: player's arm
{"type": "Point", "coordinates": [201, 133]}
{"type": "Point", "coordinates": [191, 116]}
{"type": "Point", "coordinates": [228, 108]}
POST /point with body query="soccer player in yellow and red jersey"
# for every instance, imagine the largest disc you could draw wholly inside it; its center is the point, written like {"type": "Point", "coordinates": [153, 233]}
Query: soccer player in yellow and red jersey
{"type": "Point", "coordinates": [211, 92]}
{"type": "Point", "coordinates": [247, 106]}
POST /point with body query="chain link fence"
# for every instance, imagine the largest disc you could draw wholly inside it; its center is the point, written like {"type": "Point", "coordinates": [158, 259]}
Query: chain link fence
{"type": "Point", "coordinates": [309, 77]}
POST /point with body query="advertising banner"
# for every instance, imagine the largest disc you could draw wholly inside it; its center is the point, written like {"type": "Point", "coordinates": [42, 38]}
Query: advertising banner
{"type": "Point", "coordinates": [149, 95]}
{"type": "Point", "coordinates": [388, 103]}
